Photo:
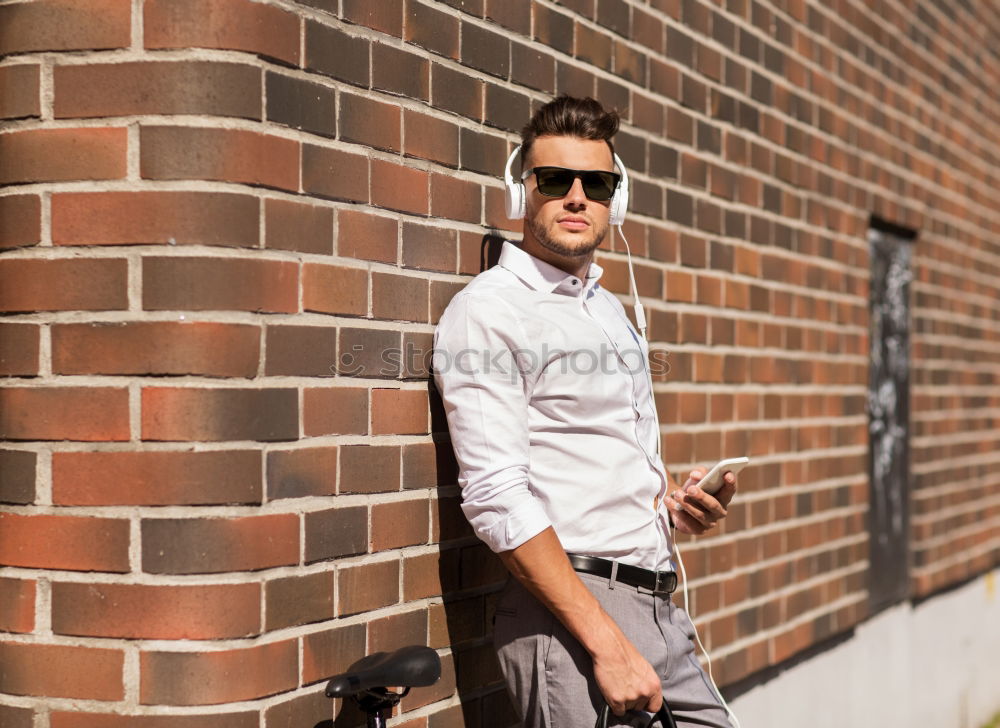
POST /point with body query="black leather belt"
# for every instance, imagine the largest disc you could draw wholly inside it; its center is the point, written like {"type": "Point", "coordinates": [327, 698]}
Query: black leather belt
{"type": "Point", "coordinates": [658, 582]}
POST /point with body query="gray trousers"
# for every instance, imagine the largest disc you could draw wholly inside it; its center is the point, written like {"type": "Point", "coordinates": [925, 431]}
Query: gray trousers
{"type": "Point", "coordinates": [550, 676]}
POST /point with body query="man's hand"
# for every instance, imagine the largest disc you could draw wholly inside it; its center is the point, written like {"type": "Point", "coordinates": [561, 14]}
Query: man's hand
{"type": "Point", "coordinates": [626, 679]}
{"type": "Point", "coordinates": [693, 510]}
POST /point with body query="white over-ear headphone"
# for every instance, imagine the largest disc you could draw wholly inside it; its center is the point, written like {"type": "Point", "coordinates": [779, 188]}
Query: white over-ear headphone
{"type": "Point", "coordinates": [516, 197]}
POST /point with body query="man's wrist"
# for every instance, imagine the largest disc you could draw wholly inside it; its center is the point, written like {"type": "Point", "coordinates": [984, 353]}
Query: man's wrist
{"type": "Point", "coordinates": [603, 638]}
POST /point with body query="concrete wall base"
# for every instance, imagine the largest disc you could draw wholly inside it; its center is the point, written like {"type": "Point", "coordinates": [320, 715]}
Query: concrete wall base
{"type": "Point", "coordinates": [933, 665]}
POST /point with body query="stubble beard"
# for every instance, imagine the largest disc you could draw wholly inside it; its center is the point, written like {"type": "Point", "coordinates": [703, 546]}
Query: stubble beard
{"type": "Point", "coordinates": [581, 248]}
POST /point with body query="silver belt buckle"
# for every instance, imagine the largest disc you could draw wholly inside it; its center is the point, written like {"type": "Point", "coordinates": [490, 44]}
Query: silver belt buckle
{"type": "Point", "coordinates": [659, 587]}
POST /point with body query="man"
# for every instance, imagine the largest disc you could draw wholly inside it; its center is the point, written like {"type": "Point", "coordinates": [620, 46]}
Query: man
{"type": "Point", "coordinates": [552, 422]}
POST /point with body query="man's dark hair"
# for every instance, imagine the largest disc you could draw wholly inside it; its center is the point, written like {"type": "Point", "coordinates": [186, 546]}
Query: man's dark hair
{"type": "Point", "coordinates": [569, 116]}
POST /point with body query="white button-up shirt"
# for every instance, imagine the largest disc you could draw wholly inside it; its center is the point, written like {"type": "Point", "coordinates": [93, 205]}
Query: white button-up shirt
{"type": "Point", "coordinates": [551, 416]}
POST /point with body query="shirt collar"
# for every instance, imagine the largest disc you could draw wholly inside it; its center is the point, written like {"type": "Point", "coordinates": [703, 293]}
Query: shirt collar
{"type": "Point", "coordinates": [543, 276]}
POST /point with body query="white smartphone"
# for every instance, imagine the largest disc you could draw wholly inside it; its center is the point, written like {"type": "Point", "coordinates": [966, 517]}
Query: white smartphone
{"type": "Point", "coordinates": [713, 478]}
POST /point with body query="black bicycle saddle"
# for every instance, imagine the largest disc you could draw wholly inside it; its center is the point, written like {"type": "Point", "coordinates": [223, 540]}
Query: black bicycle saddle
{"type": "Point", "coordinates": [408, 667]}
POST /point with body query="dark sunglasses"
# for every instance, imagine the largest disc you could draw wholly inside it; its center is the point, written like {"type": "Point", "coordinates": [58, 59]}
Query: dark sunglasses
{"type": "Point", "coordinates": [598, 185]}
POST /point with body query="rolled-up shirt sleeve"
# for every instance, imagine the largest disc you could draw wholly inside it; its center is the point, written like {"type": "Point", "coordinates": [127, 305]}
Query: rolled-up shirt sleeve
{"type": "Point", "coordinates": [485, 395]}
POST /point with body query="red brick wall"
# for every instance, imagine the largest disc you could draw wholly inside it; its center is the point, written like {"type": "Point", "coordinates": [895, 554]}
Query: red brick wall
{"type": "Point", "coordinates": [210, 207]}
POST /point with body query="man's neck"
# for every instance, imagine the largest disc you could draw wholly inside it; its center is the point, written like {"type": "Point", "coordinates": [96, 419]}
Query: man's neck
{"type": "Point", "coordinates": [576, 265]}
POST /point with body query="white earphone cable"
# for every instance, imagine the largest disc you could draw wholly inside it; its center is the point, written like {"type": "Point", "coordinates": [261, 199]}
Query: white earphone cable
{"type": "Point", "coordinates": [640, 313]}
{"type": "Point", "coordinates": [640, 319]}
{"type": "Point", "coordinates": [697, 638]}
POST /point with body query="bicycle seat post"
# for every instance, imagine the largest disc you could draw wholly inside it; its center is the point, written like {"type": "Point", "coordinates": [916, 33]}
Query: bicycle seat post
{"type": "Point", "coordinates": [375, 702]}
{"type": "Point", "coordinates": [375, 720]}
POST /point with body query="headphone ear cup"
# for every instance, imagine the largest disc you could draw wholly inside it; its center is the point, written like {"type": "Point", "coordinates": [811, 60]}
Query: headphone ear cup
{"type": "Point", "coordinates": [619, 200]}
{"type": "Point", "coordinates": [619, 206]}
{"type": "Point", "coordinates": [514, 199]}
{"type": "Point", "coordinates": [514, 194]}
